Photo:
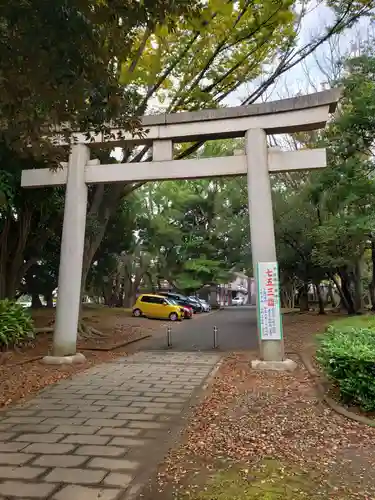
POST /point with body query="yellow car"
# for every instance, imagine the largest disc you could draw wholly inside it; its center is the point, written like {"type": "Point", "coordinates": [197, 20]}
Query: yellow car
{"type": "Point", "coordinates": [156, 306]}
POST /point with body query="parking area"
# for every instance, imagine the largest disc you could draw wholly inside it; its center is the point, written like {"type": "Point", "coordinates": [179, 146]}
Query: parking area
{"type": "Point", "coordinates": [236, 330]}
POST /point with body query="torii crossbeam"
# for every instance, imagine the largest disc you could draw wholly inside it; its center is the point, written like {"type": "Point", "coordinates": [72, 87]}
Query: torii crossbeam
{"type": "Point", "coordinates": [304, 113]}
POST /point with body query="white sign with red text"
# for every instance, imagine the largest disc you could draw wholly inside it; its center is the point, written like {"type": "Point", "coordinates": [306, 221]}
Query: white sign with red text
{"type": "Point", "coordinates": [269, 314]}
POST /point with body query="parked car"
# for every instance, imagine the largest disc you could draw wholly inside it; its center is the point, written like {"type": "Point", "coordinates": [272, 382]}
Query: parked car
{"type": "Point", "coordinates": [197, 302]}
{"type": "Point", "coordinates": [157, 306]}
{"type": "Point", "coordinates": [183, 300]}
{"type": "Point", "coordinates": [237, 301]}
{"type": "Point", "coordinates": [204, 305]}
{"type": "Point", "coordinates": [188, 310]}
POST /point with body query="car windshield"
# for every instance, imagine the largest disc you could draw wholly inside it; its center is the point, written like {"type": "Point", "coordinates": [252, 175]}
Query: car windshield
{"type": "Point", "coordinates": [172, 302]}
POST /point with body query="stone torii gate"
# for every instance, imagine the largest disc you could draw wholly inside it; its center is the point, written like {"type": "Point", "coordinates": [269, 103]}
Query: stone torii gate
{"type": "Point", "coordinates": [309, 112]}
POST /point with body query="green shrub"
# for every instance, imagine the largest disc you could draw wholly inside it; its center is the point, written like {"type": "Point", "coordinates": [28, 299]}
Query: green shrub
{"type": "Point", "coordinates": [16, 325]}
{"type": "Point", "coordinates": [347, 357]}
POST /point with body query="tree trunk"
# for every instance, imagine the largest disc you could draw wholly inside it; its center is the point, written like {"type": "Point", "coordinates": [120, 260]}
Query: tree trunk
{"type": "Point", "coordinates": [303, 298]}
{"type": "Point", "coordinates": [102, 207]}
{"type": "Point", "coordinates": [371, 290]}
{"type": "Point", "coordinates": [130, 290]}
{"type": "Point", "coordinates": [287, 296]}
{"type": "Point", "coordinates": [49, 299]}
{"type": "Point", "coordinates": [4, 256]}
{"type": "Point", "coordinates": [345, 287]}
{"type": "Point", "coordinates": [129, 300]}
{"type": "Point", "coordinates": [17, 271]}
{"type": "Point", "coordinates": [372, 285]}
{"type": "Point", "coordinates": [283, 298]}
{"type": "Point", "coordinates": [120, 297]}
{"type": "Point", "coordinates": [292, 297]}
{"type": "Point", "coordinates": [14, 239]}
{"type": "Point", "coordinates": [107, 292]}
{"type": "Point", "coordinates": [36, 303]}
{"type": "Point", "coordinates": [340, 292]}
{"type": "Point", "coordinates": [117, 291]}
{"type": "Point", "coordinates": [320, 298]}
{"type": "Point", "coordinates": [331, 295]}
{"type": "Point", "coordinates": [358, 286]}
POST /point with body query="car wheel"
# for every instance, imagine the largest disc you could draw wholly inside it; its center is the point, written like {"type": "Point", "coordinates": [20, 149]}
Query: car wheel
{"type": "Point", "coordinates": [137, 313]}
{"type": "Point", "coordinates": [173, 316]}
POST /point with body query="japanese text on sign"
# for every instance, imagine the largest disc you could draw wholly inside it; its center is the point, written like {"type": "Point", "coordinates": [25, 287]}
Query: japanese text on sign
{"type": "Point", "coordinates": [269, 301]}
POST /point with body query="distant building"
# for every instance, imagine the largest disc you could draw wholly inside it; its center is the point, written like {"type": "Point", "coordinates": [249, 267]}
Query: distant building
{"type": "Point", "coordinates": [241, 286]}
{"type": "Point", "coordinates": [222, 294]}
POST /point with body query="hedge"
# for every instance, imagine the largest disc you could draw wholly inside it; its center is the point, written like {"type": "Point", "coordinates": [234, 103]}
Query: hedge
{"type": "Point", "coordinates": [16, 324]}
{"type": "Point", "coordinates": [347, 357]}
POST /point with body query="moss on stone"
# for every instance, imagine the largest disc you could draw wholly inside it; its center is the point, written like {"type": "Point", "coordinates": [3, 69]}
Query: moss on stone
{"type": "Point", "coordinates": [270, 481]}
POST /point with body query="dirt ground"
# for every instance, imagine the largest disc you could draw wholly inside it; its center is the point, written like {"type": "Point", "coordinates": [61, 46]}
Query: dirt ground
{"type": "Point", "coordinates": [267, 436]}
{"type": "Point", "coordinates": [261, 436]}
{"type": "Point", "coordinates": [22, 374]}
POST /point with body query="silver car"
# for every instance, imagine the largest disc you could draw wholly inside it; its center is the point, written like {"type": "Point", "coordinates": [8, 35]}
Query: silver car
{"type": "Point", "coordinates": [205, 305]}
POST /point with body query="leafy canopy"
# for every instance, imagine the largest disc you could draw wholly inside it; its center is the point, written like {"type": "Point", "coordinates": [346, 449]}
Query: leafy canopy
{"type": "Point", "coordinates": [59, 62]}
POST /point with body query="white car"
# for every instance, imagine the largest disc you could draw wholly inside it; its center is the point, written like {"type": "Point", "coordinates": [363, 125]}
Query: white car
{"type": "Point", "coordinates": [237, 301]}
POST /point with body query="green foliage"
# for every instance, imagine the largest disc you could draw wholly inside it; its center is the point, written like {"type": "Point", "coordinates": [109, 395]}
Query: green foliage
{"type": "Point", "coordinates": [29, 220]}
{"type": "Point", "coordinates": [191, 233]}
{"type": "Point", "coordinates": [196, 230]}
{"type": "Point", "coordinates": [118, 239]}
{"type": "Point", "coordinates": [344, 193]}
{"type": "Point", "coordinates": [93, 62]}
{"type": "Point", "coordinates": [16, 325]}
{"type": "Point", "coordinates": [324, 219]}
{"type": "Point", "coordinates": [58, 63]}
{"type": "Point", "coordinates": [203, 58]}
{"type": "Point", "coordinates": [347, 357]}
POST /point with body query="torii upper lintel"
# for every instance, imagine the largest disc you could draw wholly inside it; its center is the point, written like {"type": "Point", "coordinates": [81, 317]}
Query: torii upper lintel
{"type": "Point", "coordinates": [296, 114]}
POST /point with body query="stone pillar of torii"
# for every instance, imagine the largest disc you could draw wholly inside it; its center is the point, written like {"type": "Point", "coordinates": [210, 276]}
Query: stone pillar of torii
{"type": "Point", "coordinates": [254, 122]}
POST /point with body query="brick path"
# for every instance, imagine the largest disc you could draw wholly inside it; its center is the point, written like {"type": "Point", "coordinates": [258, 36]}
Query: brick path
{"type": "Point", "coordinates": [100, 434]}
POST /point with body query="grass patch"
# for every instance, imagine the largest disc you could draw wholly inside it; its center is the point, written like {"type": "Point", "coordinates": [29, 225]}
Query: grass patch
{"type": "Point", "coordinates": [362, 321]}
{"type": "Point", "coordinates": [115, 311]}
{"type": "Point", "coordinates": [102, 309]}
{"type": "Point", "coordinates": [270, 481]}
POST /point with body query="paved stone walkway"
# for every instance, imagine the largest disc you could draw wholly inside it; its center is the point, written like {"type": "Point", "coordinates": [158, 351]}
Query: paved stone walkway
{"type": "Point", "coordinates": [100, 434]}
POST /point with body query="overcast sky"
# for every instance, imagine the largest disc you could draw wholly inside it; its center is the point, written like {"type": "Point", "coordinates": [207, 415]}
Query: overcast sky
{"type": "Point", "coordinates": [308, 77]}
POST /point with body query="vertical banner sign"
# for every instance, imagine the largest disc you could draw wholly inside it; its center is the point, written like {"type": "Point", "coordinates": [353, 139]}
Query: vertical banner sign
{"type": "Point", "coordinates": [269, 301]}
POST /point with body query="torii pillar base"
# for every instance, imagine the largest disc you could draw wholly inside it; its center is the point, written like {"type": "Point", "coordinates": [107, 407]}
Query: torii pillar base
{"type": "Point", "coordinates": [64, 360]}
{"type": "Point", "coordinates": [288, 365]}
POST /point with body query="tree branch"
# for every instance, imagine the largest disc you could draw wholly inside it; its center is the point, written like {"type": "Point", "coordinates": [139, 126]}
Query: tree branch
{"type": "Point", "coordinates": [173, 65]}
{"type": "Point", "coordinates": [140, 50]}
{"type": "Point", "coordinates": [305, 51]}
{"type": "Point", "coordinates": [221, 46]}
